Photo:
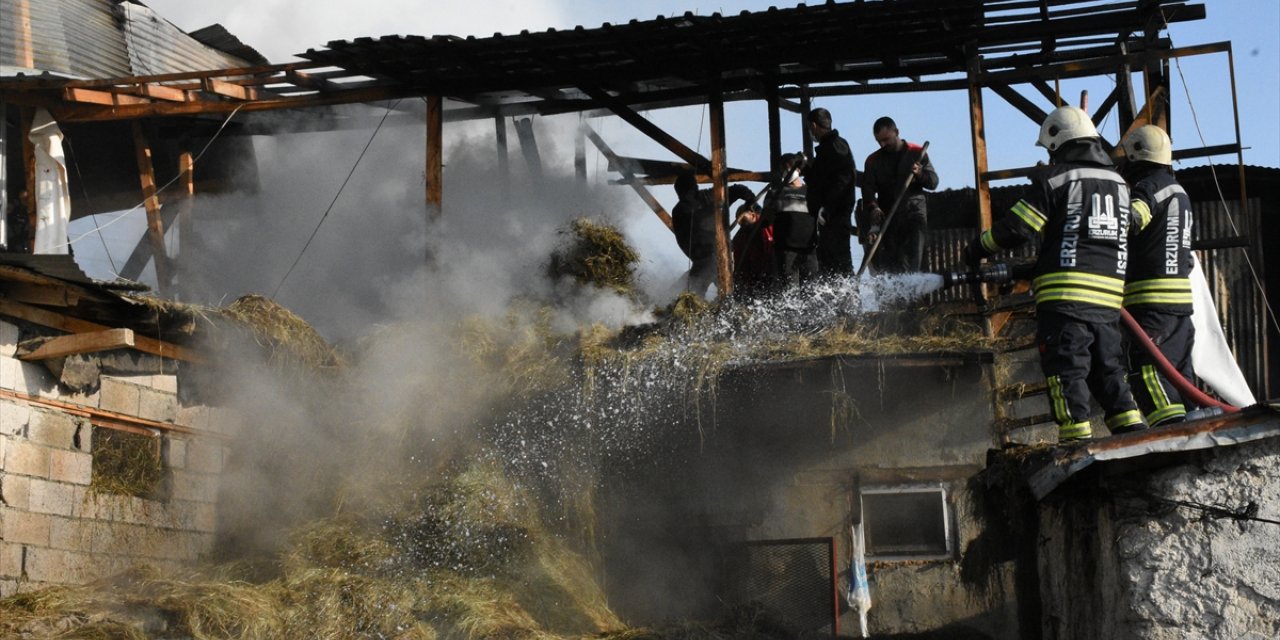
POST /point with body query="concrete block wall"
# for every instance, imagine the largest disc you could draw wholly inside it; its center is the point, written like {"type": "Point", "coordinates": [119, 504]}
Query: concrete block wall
{"type": "Point", "coordinates": [54, 527]}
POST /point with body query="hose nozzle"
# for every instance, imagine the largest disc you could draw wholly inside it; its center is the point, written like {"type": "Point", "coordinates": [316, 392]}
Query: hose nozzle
{"type": "Point", "coordinates": [990, 273]}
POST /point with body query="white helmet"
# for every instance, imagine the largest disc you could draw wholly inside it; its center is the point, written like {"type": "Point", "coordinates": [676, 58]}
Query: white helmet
{"type": "Point", "coordinates": [1149, 143]}
{"type": "Point", "coordinates": [1063, 125]}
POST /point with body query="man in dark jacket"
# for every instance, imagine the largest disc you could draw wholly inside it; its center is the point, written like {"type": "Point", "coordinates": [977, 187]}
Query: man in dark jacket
{"type": "Point", "coordinates": [1157, 290]}
{"type": "Point", "coordinates": [693, 221]}
{"type": "Point", "coordinates": [885, 172]}
{"type": "Point", "coordinates": [830, 193]}
{"type": "Point", "coordinates": [1080, 207]}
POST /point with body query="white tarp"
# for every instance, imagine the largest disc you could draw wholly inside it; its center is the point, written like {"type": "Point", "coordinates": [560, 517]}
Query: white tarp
{"type": "Point", "coordinates": [1210, 355]}
{"type": "Point", "coordinates": [53, 197]}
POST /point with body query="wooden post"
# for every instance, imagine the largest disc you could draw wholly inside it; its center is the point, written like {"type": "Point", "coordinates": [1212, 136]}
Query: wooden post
{"type": "Point", "coordinates": [155, 226]}
{"type": "Point", "coordinates": [724, 260]}
{"type": "Point", "coordinates": [978, 134]}
{"type": "Point", "coordinates": [4, 175]}
{"type": "Point", "coordinates": [806, 137]}
{"type": "Point", "coordinates": [580, 150]}
{"type": "Point", "coordinates": [186, 225]}
{"type": "Point", "coordinates": [29, 166]}
{"type": "Point", "coordinates": [504, 163]}
{"type": "Point", "coordinates": [775, 126]}
{"type": "Point", "coordinates": [435, 156]}
{"type": "Point", "coordinates": [529, 147]}
{"type": "Point", "coordinates": [22, 22]}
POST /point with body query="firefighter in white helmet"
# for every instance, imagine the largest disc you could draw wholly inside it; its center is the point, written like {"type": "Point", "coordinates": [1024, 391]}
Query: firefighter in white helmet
{"type": "Point", "coordinates": [1157, 289]}
{"type": "Point", "coordinates": [1079, 205]}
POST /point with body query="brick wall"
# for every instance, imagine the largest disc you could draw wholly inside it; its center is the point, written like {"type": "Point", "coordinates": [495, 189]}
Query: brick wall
{"type": "Point", "coordinates": [55, 528]}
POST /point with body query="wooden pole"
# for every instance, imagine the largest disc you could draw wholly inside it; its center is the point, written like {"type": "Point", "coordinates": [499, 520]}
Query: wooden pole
{"type": "Point", "coordinates": [580, 150]}
{"type": "Point", "coordinates": [186, 225]}
{"type": "Point", "coordinates": [155, 225]}
{"type": "Point", "coordinates": [435, 156]}
{"type": "Point", "coordinates": [978, 134]}
{"type": "Point", "coordinates": [29, 165]}
{"type": "Point", "coordinates": [724, 260]}
{"type": "Point", "coordinates": [775, 126]}
{"type": "Point", "coordinates": [504, 161]}
{"type": "Point", "coordinates": [529, 147]}
{"type": "Point", "coordinates": [806, 137]}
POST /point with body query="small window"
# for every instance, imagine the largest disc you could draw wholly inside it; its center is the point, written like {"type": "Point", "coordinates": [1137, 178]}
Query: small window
{"type": "Point", "coordinates": [906, 522]}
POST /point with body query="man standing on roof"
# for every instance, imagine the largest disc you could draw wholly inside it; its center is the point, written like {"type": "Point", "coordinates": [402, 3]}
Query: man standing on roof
{"type": "Point", "coordinates": [1157, 290]}
{"type": "Point", "coordinates": [830, 194]}
{"type": "Point", "coordinates": [693, 221]}
{"type": "Point", "coordinates": [1080, 207]}
{"type": "Point", "coordinates": [884, 174]}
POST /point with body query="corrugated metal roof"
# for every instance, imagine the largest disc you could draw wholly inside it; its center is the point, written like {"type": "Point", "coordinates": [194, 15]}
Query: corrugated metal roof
{"type": "Point", "coordinates": [98, 39]}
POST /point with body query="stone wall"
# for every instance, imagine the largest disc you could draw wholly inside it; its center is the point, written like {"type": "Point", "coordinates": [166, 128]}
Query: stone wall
{"type": "Point", "coordinates": [1120, 558]}
{"type": "Point", "coordinates": [55, 526]}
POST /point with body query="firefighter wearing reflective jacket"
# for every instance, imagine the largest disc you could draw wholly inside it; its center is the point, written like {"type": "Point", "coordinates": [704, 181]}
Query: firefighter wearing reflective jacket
{"type": "Point", "coordinates": [1080, 207]}
{"type": "Point", "coordinates": [1157, 290]}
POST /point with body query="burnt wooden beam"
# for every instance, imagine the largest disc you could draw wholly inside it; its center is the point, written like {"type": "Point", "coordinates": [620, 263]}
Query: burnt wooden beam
{"type": "Point", "coordinates": [143, 251]}
{"type": "Point", "coordinates": [724, 259]}
{"type": "Point", "coordinates": [622, 167]}
{"type": "Point", "coordinates": [806, 136]}
{"type": "Point", "coordinates": [773, 106]}
{"type": "Point", "coordinates": [435, 156]}
{"type": "Point", "coordinates": [580, 152]}
{"type": "Point", "coordinates": [1105, 107]}
{"type": "Point", "coordinates": [155, 225]}
{"type": "Point", "coordinates": [1048, 92]}
{"type": "Point", "coordinates": [646, 127]}
{"type": "Point", "coordinates": [529, 147]}
{"type": "Point", "coordinates": [731, 175]}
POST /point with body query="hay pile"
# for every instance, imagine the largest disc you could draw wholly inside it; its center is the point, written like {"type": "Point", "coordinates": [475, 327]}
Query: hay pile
{"type": "Point", "coordinates": [126, 463]}
{"type": "Point", "coordinates": [291, 339]}
{"type": "Point", "coordinates": [596, 254]}
{"type": "Point", "coordinates": [467, 557]}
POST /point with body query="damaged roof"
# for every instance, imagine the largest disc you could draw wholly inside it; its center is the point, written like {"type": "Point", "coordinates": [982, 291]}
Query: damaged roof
{"type": "Point", "coordinates": [107, 39]}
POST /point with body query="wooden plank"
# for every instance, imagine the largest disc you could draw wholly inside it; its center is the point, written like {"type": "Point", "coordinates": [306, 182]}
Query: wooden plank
{"type": "Point", "coordinates": [53, 320]}
{"type": "Point", "coordinates": [729, 176]}
{"type": "Point", "coordinates": [978, 135]}
{"type": "Point", "coordinates": [75, 343]}
{"type": "Point", "coordinates": [110, 419]}
{"type": "Point", "coordinates": [186, 223]}
{"type": "Point", "coordinates": [630, 178]}
{"type": "Point", "coordinates": [435, 156]}
{"type": "Point", "coordinates": [155, 226]}
{"type": "Point", "coordinates": [1019, 102]}
{"type": "Point", "coordinates": [230, 89]}
{"type": "Point", "coordinates": [161, 92]}
{"type": "Point", "coordinates": [53, 295]}
{"type": "Point", "coordinates": [106, 98]}
{"type": "Point", "coordinates": [719, 186]}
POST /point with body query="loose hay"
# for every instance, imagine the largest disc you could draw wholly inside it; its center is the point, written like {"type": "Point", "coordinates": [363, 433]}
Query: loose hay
{"type": "Point", "coordinates": [596, 254]}
{"type": "Point", "coordinates": [284, 332]}
{"type": "Point", "coordinates": [126, 463]}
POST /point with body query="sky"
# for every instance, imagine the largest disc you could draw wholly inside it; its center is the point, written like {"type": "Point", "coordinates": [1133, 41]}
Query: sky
{"type": "Point", "coordinates": [281, 28]}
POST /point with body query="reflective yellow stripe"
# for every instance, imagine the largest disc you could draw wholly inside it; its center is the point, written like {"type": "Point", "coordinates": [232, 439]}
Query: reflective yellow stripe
{"type": "Point", "coordinates": [1159, 284]}
{"type": "Point", "coordinates": [1132, 416]}
{"type": "Point", "coordinates": [1106, 283]}
{"type": "Point", "coordinates": [1057, 402]}
{"type": "Point", "coordinates": [1167, 413]}
{"type": "Point", "coordinates": [1074, 431]}
{"type": "Point", "coordinates": [1141, 212]}
{"type": "Point", "coordinates": [989, 242]}
{"type": "Point", "coordinates": [1154, 388]}
{"type": "Point", "coordinates": [1029, 215]}
{"type": "Point", "coordinates": [1158, 298]}
{"type": "Point", "coordinates": [1079, 295]}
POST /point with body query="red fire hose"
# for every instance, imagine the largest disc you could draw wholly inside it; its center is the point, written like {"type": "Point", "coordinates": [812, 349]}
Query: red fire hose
{"type": "Point", "coordinates": [1188, 390]}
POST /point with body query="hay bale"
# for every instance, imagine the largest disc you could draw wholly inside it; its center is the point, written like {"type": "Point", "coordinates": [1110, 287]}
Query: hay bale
{"type": "Point", "coordinates": [596, 254]}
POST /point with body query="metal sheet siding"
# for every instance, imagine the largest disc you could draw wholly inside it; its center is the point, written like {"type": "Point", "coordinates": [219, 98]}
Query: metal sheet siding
{"type": "Point", "coordinates": [1241, 307]}
{"type": "Point", "coordinates": [99, 39]}
{"type": "Point", "coordinates": [156, 46]}
{"type": "Point", "coordinates": [72, 37]}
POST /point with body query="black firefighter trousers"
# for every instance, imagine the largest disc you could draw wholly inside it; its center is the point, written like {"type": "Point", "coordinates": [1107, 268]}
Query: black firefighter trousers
{"type": "Point", "coordinates": [1173, 335]}
{"type": "Point", "coordinates": [1078, 357]}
